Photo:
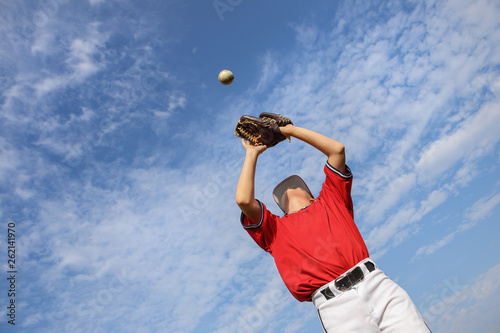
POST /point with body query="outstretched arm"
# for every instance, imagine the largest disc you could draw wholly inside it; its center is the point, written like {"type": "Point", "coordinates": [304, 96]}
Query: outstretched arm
{"type": "Point", "coordinates": [334, 150]}
{"type": "Point", "coordinates": [245, 197]}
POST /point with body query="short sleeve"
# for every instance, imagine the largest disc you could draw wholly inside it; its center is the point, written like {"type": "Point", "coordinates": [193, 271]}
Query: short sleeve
{"type": "Point", "coordinates": [264, 231]}
{"type": "Point", "coordinates": [337, 186]}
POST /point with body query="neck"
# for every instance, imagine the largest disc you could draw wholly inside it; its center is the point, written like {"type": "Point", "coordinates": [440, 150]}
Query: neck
{"type": "Point", "coordinates": [295, 211]}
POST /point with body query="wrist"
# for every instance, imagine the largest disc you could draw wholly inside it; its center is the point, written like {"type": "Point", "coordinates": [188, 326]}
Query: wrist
{"type": "Point", "coordinates": [252, 154]}
{"type": "Point", "coordinates": [287, 130]}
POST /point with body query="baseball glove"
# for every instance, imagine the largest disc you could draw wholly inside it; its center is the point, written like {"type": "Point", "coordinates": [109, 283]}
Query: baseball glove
{"type": "Point", "coordinates": [262, 131]}
{"type": "Point", "coordinates": [275, 118]}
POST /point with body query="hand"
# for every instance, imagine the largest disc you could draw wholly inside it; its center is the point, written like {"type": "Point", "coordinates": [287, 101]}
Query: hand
{"type": "Point", "coordinates": [251, 148]}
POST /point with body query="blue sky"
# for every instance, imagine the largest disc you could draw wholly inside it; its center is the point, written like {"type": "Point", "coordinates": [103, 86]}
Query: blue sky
{"type": "Point", "coordinates": [118, 161]}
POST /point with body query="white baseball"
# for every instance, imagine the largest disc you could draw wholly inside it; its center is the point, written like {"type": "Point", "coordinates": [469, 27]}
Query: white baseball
{"type": "Point", "coordinates": [226, 77]}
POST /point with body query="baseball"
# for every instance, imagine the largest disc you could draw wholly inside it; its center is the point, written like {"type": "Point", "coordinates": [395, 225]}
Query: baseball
{"type": "Point", "coordinates": [226, 77]}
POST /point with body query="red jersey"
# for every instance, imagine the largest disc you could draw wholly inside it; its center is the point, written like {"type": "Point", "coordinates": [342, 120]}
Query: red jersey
{"type": "Point", "coordinates": [317, 244]}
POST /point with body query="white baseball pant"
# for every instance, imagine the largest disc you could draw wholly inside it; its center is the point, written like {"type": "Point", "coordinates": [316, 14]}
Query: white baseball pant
{"type": "Point", "coordinates": [376, 304]}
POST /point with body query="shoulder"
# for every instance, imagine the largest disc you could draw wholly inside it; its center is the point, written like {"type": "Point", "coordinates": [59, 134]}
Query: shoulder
{"type": "Point", "coordinates": [264, 230]}
{"type": "Point", "coordinates": [265, 217]}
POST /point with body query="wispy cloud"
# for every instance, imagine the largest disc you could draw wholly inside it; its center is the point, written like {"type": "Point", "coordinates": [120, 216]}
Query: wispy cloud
{"type": "Point", "coordinates": [482, 208]}
{"type": "Point", "coordinates": [379, 93]}
{"type": "Point", "coordinates": [123, 177]}
{"type": "Point", "coordinates": [474, 138]}
{"type": "Point", "coordinates": [465, 308]}
{"type": "Point", "coordinates": [479, 210]}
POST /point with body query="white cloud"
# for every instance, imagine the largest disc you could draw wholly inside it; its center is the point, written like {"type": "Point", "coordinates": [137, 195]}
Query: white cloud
{"type": "Point", "coordinates": [464, 175]}
{"type": "Point", "coordinates": [430, 249]}
{"type": "Point", "coordinates": [269, 70]}
{"type": "Point", "coordinates": [168, 219]}
{"type": "Point", "coordinates": [435, 198]}
{"type": "Point", "coordinates": [9, 159]}
{"type": "Point", "coordinates": [381, 235]}
{"type": "Point", "coordinates": [44, 44]}
{"type": "Point", "coordinates": [474, 138]}
{"type": "Point", "coordinates": [465, 308]}
{"type": "Point", "coordinates": [79, 58]}
{"type": "Point", "coordinates": [395, 189]}
{"type": "Point", "coordinates": [80, 61]}
{"type": "Point", "coordinates": [176, 100]}
{"type": "Point", "coordinates": [481, 209]}
{"type": "Point", "coordinates": [399, 225]}
{"type": "Point", "coordinates": [49, 84]}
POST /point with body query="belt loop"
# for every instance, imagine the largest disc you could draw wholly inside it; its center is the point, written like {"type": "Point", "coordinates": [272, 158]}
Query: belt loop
{"type": "Point", "coordinates": [370, 265]}
{"type": "Point", "coordinates": [328, 293]}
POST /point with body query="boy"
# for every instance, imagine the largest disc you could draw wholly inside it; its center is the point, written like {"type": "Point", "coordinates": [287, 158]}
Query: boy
{"type": "Point", "coordinates": [318, 249]}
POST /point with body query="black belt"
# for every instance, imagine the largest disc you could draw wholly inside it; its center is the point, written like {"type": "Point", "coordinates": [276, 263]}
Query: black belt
{"type": "Point", "coordinates": [349, 280]}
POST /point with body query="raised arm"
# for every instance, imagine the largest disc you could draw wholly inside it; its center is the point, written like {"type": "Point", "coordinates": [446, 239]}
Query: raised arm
{"type": "Point", "coordinates": [334, 150]}
{"type": "Point", "coordinates": [245, 192]}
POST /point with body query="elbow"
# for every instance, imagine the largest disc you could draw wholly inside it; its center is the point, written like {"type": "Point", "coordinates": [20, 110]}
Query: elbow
{"type": "Point", "coordinates": [243, 201]}
{"type": "Point", "coordinates": [341, 149]}
{"type": "Point", "coordinates": [338, 149]}
{"type": "Point", "coordinates": [246, 203]}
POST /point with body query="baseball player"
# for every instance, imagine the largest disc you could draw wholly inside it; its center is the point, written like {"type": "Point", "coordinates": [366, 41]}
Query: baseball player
{"type": "Point", "coordinates": [318, 249]}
